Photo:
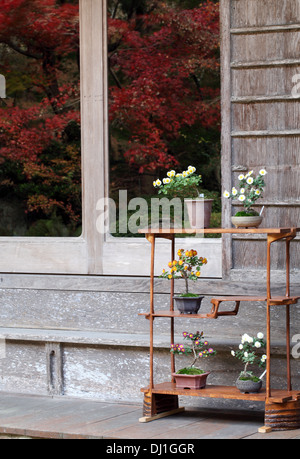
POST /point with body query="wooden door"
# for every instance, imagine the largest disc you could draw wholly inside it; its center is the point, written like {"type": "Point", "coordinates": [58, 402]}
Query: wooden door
{"type": "Point", "coordinates": [260, 117]}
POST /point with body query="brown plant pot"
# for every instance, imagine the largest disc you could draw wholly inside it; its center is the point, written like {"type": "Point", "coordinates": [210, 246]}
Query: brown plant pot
{"type": "Point", "coordinates": [191, 381]}
{"type": "Point", "coordinates": [199, 212]}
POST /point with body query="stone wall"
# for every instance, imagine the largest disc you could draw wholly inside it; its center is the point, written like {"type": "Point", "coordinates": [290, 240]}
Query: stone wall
{"type": "Point", "coordinates": [81, 336]}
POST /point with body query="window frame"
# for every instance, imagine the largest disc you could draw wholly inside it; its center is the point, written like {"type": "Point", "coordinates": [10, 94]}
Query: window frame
{"type": "Point", "coordinates": [91, 252]}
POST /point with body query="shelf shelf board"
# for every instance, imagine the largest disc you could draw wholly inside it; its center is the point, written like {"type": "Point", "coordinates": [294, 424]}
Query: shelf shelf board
{"type": "Point", "coordinates": [224, 392]}
{"type": "Point", "coordinates": [274, 301]}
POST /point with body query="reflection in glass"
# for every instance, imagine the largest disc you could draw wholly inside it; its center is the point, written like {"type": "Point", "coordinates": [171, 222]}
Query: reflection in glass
{"type": "Point", "coordinates": [40, 159]}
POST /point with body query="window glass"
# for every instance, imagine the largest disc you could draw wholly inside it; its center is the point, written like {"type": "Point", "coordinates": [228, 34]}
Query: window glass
{"type": "Point", "coordinates": [40, 157]}
{"type": "Point", "coordinates": [164, 102]}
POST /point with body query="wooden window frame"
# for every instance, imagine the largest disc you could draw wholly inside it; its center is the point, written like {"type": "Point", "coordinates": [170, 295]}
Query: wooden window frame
{"type": "Point", "coordinates": [92, 252]}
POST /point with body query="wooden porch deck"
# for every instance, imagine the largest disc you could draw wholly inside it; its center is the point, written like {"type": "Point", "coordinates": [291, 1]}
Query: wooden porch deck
{"type": "Point", "coordinates": [25, 416]}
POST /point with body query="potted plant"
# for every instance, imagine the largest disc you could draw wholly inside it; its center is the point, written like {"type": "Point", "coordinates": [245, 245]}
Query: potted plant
{"type": "Point", "coordinates": [191, 377]}
{"type": "Point", "coordinates": [250, 190]}
{"type": "Point", "coordinates": [250, 353]}
{"type": "Point", "coordinates": [187, 267]}
{"type": "Point", "coordinates": [185, 185]}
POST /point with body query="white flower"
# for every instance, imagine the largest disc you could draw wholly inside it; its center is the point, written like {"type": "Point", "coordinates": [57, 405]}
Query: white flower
{"type": "Point", "coordinates": [264, 358]}
{"type": "Point", "coordinates": [154, 183]}
{"type": "Point", "coordinates": [158, 182]}
{"type": "Point", "coordinates": [257, 192]}
{"type": "Point", "coordinates": [241, 177]}
{"type": "Point", "coordinates": [257, 344]}
{"type": "Point", "coordinates": [233, 353]}
{"type": "Point", "coordinates": [171, 173]}
{"type": "Point", "coordinates": [242, 197]}
{"type": "Point", "coordinates": [260, 335]}
{"type": "Point", "coordinates": [234, 191]}
{"type": "Point", "coordinates": [246, 354]}
{"type": "Point", "coordinates": [250, 180]}
{"type": "Point", "coordinates": [166, 180]}
{"type": "Point", "coordinates": [226, 194]}
{"type": "Point", "coordinates": [241, 347]}
{"type": "Point", "coordinates": [191, 169]}
{"type": "Point", "coordinates": [247, 339]}
{"type": "Point", "coordinates": [249, 173]}
{"type": "Point", "coordinates": [262, 172]}
{"type": "Point", "coordinates": [242, 190]}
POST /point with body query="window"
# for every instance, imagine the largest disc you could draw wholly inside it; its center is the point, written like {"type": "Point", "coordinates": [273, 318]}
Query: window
{"type": "Point", "coordinates": [93, 252]}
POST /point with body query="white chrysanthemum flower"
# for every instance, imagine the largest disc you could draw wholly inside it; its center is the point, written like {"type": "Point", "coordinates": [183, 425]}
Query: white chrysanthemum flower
{"type": "Point", "coordinates": [250, 180]}
{"type": "Point", "coordinates": [233, 353]}
{"type": "Point", "coordinates": [242, 197]}
{"type": "Point", "coordinates": [257, 344]}
{"type": "Point", "coordinates": [171, 173]}
{"type": "Point", "coordinates": [241, 347]}
{"type": "Point", "coordinates": [260, 335]}
{"type": "Point", "coordinates": [241, 177]}
{"type": "Point", "coordinates": [226, 194]}
{"type": "Point", "coordinates": [257, 192]}
{"type": "Point", "coordinates": [262, 172]}
{"type": "Point", "coordinates": [246, 354]}
{"type": "Point", "coordinates": [158, 182]}
{"type": "Point", "coordinates": [234, 191]}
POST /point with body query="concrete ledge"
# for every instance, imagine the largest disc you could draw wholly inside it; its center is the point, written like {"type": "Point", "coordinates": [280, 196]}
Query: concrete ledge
{"type": "Point", "coordinates": [106, 338]}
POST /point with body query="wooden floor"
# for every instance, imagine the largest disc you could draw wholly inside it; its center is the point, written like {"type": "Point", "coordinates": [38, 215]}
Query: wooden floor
{"type": "Point", "coordinates": [66, 418]}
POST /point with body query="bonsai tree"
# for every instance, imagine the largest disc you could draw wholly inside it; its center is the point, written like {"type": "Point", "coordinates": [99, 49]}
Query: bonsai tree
{"type": "Point", "coordinates": [187, 267]}
{"type": "Point", "coordinates": [197, 347]}
{"type": "Point", "coordinates": [250, 353]}
{"type": "Point", "coordinates": [250, 190]}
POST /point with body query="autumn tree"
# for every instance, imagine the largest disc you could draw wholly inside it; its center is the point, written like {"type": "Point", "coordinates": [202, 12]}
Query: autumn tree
{"type": "Point", "coordinates": [40, 120]}
{"type": "Point", "coordinates": [164, 83]}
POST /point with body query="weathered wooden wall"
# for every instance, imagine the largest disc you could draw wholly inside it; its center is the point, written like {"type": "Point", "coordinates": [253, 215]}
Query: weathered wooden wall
{"type": "Point", "coordinates": [261, 44]}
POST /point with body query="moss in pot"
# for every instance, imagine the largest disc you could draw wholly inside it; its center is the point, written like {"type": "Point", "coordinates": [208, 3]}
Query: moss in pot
{"type": "Point", "coordinates": [192, 377]}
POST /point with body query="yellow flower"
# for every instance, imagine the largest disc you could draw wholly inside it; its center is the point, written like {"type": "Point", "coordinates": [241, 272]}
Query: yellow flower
{"type": "Point", "coordinates": [163, 271]}
{"type": "Point", "coordinates": [170, 264]}
{"type": "Point", "coordinates": [179, 253]}
{"type": "Point", "coordinates": [174, 262]}
{"type": "Point", "coordinates": [198, 273]}
{"type": "Point", "coordinates": [187, 253]}
{"type": "Point", "coordinates": [180, 262]}
{"type": "Point", "coordinates": [170, 276]}
{"type": "Point", "coordinates": [186, 267]}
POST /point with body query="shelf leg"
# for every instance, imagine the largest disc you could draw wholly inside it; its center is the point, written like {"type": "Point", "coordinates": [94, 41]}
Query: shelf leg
{"type": "Point", "coordinates": [172, 309]}
{"type": "Point", "coordinates": [157, 406]}
{"type": "Point", "coordinates": [288, 349]}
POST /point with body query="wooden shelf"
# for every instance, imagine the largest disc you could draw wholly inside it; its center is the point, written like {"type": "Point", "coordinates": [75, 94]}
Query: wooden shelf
{"type": "Point", "coordinates": [275, 301]}
{"type": "Point", "coordinates": [224, 392]}
{"type": "Point", "coordinates": [282, 407]}
{"type": "Point", "coordinates": [170, 231]}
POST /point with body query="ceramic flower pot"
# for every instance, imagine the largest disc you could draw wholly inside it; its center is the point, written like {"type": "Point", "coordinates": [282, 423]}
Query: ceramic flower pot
{"type": "Point", "coordinates": [248, 386]}
{"type": "Point", "coordinates": [191, 381]}
{"type": "Point", "coordinates": [199, 212]}
{"type": "Point", "coordinates": [247, 222]}
{"type": "Point", "coordinates": [188, 305]}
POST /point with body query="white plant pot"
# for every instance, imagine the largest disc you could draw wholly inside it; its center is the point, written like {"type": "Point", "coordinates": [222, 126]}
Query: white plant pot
{"type": "Point", "coordinates": [247, 222]}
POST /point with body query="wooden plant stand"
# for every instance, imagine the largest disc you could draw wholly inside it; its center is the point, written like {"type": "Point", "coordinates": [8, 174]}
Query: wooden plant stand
{"type": "Point", "coordinates": [282, 407]}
